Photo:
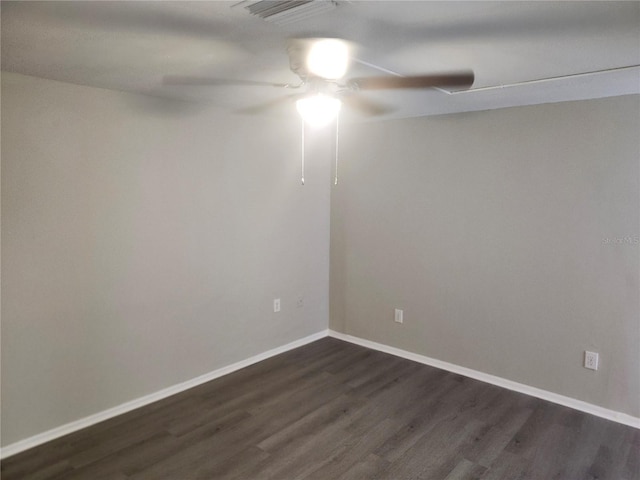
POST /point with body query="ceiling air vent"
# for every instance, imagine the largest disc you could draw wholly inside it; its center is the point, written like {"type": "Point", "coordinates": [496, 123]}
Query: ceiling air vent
{"type": "Point", "coordinates": [282, 12]}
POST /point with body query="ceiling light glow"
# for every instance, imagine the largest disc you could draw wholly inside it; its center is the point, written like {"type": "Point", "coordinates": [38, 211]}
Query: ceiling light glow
{"type": "Point", "coordinates": [328, 58]}
{"type": "Point", "coordinates": [318, 110]}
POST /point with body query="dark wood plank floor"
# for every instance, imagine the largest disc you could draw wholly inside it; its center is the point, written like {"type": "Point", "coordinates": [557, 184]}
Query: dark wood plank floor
{"type": "Point", "coordinates": [332, 410]}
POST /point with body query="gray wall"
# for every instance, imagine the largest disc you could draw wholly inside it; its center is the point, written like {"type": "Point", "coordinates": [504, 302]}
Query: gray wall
{"type": "Point", "coordinates": [142, 244]}
{"type": "Point", "coordinates": [144, 240]}
{"type": "Point", "coordinates": [490, 230]}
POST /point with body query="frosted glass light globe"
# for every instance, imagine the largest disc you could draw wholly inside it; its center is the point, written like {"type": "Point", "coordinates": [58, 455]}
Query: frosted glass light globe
{"type": "Point", "coordinates": [318, 110]}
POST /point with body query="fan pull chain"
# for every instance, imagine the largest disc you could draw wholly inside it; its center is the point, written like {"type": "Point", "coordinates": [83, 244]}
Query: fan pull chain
{"type": "Point", "coordinates": [335, 181]}
{"type": "Point", "coordinates": [302, 144]}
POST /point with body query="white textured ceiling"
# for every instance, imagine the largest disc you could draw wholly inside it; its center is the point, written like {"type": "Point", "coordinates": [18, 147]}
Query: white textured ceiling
{"type": "Point", "coordinates": [130, 46]}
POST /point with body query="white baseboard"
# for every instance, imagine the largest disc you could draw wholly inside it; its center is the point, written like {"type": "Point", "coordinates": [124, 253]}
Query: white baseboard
{"type": "Point", "coordinates": [596, 410]}
{"type": "Point", "coordinates": [62, 430]}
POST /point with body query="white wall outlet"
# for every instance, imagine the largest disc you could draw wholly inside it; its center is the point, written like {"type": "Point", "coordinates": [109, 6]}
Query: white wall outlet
{"type": "Point", "coordinates": [300, 302]}
{"type": "Point", "coordinates": [398, 318]}
{"type": "Point", "coordinates": [276, 305]}
{"type": "Point", "coordinates": [591, 360]}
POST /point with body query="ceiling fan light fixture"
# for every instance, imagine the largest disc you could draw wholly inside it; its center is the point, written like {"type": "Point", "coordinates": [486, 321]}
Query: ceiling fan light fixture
{"type": "Point", "coordinates": [328, 58]}
{"type": "Point", "coordinates": [318, 110]}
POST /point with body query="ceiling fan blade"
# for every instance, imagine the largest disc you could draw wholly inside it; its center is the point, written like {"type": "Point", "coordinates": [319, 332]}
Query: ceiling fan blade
{"type": "Point", "coordinates": [264, 107]}
{"type": "Point", "coordinates": [210, 81]}
{"type": "Point", "coordinates": [366, 106]}
{"type": "Point", "coordinates": [458, 79]}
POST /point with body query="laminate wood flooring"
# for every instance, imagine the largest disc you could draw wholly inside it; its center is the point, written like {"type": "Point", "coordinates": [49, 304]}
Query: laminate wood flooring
{"type": "Point", "coordinates": [335, 411]}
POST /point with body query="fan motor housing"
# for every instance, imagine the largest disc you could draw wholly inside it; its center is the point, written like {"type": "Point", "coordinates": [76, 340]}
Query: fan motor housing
{"type": "Point", "coordinates": [298, 49]}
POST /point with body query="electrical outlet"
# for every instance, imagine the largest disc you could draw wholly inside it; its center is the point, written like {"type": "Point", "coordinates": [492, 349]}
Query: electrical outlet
{"type": "Point", "coordinates": [591, 360]}
{"type": "Point", "coordinates": [398, 316]}
{"type": "Point", "coordinates": [276, 305]}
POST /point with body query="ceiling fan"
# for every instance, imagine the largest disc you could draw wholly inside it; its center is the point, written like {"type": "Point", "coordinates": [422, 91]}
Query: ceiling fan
{"type": "Point", "coordinates": [321, 64]}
